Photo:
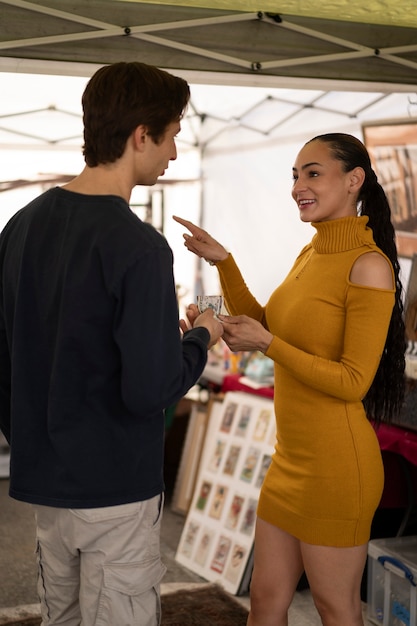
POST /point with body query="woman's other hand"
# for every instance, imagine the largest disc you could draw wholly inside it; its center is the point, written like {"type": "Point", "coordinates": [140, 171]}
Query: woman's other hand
{"type": "Point", "coordinates": [242, 333]}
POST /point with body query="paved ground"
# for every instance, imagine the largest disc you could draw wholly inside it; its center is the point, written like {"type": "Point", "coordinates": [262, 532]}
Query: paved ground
{"type": "Point", "coordinates": [17, 558]}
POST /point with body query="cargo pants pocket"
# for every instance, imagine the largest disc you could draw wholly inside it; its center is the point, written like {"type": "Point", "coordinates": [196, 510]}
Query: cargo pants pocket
{"type": "Point", "coordinates": [130, 594]}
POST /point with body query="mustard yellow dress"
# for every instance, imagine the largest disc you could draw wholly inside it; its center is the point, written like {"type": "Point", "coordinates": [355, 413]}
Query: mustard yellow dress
{"type": "Point", "coordinates": [326, 476]}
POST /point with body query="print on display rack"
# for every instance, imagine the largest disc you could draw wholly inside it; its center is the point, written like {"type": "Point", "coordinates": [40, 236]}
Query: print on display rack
{"type": "Point", "coordinates": [218, 534]}
{"type": "Point", "coordinates": [392, 147]}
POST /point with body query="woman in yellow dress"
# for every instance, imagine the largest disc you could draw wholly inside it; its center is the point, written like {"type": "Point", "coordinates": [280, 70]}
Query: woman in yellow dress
{"type": "Point", "coordinates": [334, 329]}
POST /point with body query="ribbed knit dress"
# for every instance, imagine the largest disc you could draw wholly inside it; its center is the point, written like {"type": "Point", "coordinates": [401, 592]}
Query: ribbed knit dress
{"type": "Point", "coordinates": [326, 476]}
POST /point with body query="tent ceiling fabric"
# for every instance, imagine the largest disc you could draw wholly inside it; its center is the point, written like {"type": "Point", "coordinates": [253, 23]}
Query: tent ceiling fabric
{"type": "Point", "coordinates": [375, 11]}
{"type": "Point", "coordinates": [250, 44]}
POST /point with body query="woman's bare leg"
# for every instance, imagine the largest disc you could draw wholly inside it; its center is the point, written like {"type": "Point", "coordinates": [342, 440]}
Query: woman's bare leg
{"type": "Point", "coordinates": [277, 569]}
{"type": "Point", "coordinates": [334, 576]}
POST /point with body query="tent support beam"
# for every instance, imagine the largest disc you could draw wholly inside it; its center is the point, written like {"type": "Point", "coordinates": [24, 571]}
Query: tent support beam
{"type": "Point", "coordinates": [19, 65]}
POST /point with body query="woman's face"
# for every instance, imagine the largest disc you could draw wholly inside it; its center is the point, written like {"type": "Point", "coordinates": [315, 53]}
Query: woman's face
{"type": "Point", "coordinates": [321, 189]}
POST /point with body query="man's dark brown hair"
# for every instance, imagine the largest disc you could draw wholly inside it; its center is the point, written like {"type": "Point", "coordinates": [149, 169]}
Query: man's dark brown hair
{"type": "Point", "coordinates": [122, 96]}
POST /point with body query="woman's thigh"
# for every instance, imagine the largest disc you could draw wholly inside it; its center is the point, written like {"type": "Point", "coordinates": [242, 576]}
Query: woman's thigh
{"type": "Point", "coordinates": [334, 576]}
{"type": "Point", "coordinates": [277, 566]}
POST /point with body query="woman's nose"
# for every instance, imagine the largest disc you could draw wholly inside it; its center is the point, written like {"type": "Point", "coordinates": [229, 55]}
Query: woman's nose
{"type": "Point", "coordinates": [299, 183]}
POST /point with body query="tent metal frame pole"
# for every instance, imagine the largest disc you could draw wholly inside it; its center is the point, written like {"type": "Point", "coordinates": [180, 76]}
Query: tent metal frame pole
{"type": "Point", "coordinates": [195, 50]}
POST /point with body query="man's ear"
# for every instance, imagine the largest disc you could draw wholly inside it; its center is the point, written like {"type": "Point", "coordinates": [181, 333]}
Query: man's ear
{"type": "Point", "coordinates": [356, 178]}
{"type": "Point", "coordinates": [140, 136]}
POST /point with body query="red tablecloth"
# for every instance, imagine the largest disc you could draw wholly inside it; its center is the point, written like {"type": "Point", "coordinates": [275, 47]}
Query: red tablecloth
{"type": "Point", "coordinates": [399, 454]}
{"type": "Point", "coordinates": [231, 382]}
{"type": "Point", "coordinates": [399, 440]}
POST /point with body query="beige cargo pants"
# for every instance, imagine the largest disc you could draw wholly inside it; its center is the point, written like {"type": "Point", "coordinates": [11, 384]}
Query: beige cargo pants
{"type": "Point", "coordinates": [100, 567]}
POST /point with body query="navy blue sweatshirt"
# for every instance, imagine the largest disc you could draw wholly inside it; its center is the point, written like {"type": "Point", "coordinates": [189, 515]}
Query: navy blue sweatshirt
{"type": "Point", "coordinates": [90, 351]}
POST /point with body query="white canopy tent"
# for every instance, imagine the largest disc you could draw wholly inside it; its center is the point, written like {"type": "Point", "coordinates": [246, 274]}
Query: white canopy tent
{"type": "Point", "coordinates": [262, 83]}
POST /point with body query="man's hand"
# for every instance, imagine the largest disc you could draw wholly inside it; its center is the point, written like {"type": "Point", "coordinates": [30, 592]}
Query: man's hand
{"type": "Point", "coordinates": [195, 319]}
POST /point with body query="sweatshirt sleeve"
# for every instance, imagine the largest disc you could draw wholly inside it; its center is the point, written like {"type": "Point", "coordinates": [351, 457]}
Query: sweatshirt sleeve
{"type": "Point", "coordinates": [5, 382]}
{"type": "Point", "coordinates": [368, 314]}
{"type": "Point", "coordinates": [158, 365]}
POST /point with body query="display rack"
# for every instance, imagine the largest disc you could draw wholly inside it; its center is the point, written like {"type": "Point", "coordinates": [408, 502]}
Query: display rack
{"type": "Point", "coordinates": [218, 534]}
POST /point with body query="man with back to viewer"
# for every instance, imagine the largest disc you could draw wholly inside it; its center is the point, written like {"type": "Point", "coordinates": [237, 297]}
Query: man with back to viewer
{"type": "Point", "coordinates": [91, 354]}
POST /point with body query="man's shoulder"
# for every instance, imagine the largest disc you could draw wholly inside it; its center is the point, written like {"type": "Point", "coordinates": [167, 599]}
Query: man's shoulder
{"type": "Point", "coordinates": [24, 213]}
{"type": "Point", "coordinates": [134, 230]}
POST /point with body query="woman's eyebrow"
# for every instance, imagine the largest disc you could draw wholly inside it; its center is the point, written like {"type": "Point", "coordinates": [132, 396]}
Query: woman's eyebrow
{"type": "Point", "coordinates": [303, 167]}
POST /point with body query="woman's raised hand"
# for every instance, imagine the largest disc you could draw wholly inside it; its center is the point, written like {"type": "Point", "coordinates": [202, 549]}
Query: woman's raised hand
{"type": "Point", "coordinates": [201, 243]}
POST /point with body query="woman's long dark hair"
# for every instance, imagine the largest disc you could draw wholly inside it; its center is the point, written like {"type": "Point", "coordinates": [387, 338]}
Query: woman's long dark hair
{"type": "Point", "coordinates": [385, 397]}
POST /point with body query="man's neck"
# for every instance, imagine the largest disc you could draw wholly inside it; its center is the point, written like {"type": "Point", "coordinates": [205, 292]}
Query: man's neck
{"type": "Point", "coordinates": [102, 180]}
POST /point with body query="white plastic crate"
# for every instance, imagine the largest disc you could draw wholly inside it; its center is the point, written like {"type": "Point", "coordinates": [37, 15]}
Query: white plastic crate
{"type": "Point", "coordinates": [392, 581]}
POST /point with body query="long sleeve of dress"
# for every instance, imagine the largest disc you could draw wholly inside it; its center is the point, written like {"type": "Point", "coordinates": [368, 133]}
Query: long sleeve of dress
{"type": "Point", "coordinates": [238, 298]}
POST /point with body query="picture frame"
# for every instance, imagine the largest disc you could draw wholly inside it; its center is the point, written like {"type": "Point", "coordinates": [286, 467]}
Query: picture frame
{"type": "Point", "coordinates": [190, 459]}
{"type": "Point", "coordinates": [407, 265]}
{"type": "Point", "coordinates": [218, 534]}
{"type": "Point", "coordinates": [392, 146]}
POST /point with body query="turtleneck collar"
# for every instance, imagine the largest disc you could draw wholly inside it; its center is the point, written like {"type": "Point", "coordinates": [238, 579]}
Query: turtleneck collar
{"type": "Point", "coordinates": [340, 235]}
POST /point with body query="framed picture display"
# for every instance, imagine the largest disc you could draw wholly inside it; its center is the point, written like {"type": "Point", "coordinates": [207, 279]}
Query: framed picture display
{"type": "Point", "coordinates": [392, 145]}
{"type": "Point", "coordinates": [218, 534]}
